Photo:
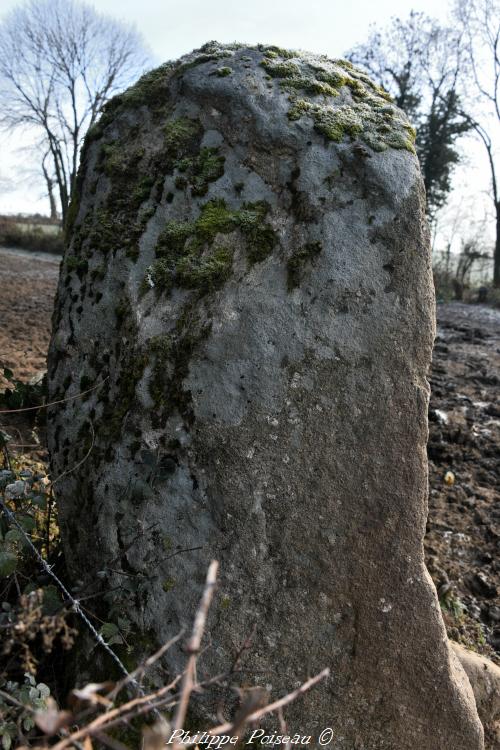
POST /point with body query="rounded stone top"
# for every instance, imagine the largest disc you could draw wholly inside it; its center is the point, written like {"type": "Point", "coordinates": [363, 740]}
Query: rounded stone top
{"type": "Point", "coordinates": [333, 96]}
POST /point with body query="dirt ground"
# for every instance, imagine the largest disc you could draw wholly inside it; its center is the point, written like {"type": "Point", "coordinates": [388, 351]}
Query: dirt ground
{"type": "Point", "coordinates": [27, 288]}
{"type": "Point", "coordinates": [463, 531]}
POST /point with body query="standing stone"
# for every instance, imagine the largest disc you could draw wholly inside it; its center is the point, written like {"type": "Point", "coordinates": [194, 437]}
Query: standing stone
{"type": "Point", "coordinates": [248, 289]}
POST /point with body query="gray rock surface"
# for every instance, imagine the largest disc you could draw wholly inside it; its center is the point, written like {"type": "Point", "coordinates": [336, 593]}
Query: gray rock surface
{"type": "Point", "coordinates": [248, 285]}
{"type": "Point", "coordinates": [484, 677]}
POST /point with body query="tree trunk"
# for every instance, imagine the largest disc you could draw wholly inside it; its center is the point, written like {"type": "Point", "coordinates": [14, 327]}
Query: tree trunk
{"type": "Point", "coordinates": [50, 190]}
{"type": "Point", "coordinates": [52, 200]}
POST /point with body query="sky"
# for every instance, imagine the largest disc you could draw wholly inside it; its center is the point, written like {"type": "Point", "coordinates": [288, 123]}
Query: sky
{"type": "Point", "coordinates": [172, 28]}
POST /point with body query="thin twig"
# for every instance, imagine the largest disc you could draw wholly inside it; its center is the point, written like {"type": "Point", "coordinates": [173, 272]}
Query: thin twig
{"type": "Point", "coordinates": [145, 665]}
{"type": "Point", "coordinates": [105, 720]}
{"type": "Point", "coordinates": [7, 697]}
{"type": "Point", "coordinates": [50, 500]}
{"type": "Point", "coordinates": [239, 654]}
{"type": "Point", "coordinates": [75, 603]}
{"type": "Point", "coordinates": [193, 647]}
{"type": "Point", "coordinates": [76, 466]}
{"type": "Point", "coordinates": [54, 403]}
{"type": "Point", "coordinates": [227, 727]}
{"type": "Point", "coordinates": [283, 727]}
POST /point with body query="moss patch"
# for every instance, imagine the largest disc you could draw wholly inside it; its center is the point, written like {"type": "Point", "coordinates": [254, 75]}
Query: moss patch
{"type": "Point", "coordinates": [200, 170]}
{"type": "Point", "coordinates": [180, 135]}
{"type": "Point", "coordinates": [136, 183]}
{"type": "Point", "coordinates": [297, 262]}
{"type": "Point", "coordinates": [121, 219]}
{"type": "Point", "coordinates": [189, 257]}
{"type": "Point", "coordinates": [223, 72]}
{"type": "Point", "coordinates": [171, 355]}
{"type": "Point", "coordinates": [150, 90]}
{"type": "Point", "coordinates": [371, 116]}
{"type": "Point", "coordinates": [280, 69]}
{"type": "Point", "coordinates": [272, 51]}
{"type": "Point", "coordinates": [80, 265]}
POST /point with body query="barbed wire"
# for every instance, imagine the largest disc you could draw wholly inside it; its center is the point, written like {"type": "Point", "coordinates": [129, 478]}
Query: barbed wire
{"type": "Point", "coordinates": [75, 605]}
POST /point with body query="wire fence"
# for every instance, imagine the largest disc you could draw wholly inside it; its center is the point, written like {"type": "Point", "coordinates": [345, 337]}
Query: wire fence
{"type": "Point", "coordinates": [11, 517]}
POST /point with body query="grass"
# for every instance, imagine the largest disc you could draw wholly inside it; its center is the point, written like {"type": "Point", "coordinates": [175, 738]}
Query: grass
{"type": "Point", "coordinates": [39, 238]}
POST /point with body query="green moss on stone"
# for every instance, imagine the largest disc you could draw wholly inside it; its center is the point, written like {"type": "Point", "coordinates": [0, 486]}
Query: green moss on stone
{"type": "Point", "coordinates": [273, 51]}
{"type": "Point", "coordinates": [223, 72]}
{"type": "Point", "coordinates": [347, 64]}
{"type": "Point", "coordinates": [121, 219]}
{"type": "Point", "coordinates": [132, 370]}
{"type": "Point", "coordinates": [80, 265]}
{"type": "Point", "coordinates": [310, 86]}
{"type": "Point", "coordinates": [150, 90]}
{"type": "Point", "coordinates": [208, 53]}
{"type": "Point", "coordinates": [135, 177]}
{"type": "Point", "coordinates": [297, 262]}
{"type": "Point", "coordinates": [179, 135]}
{"type": "Point", "coordinates": [171, 356]}
{"type": "Point", "coordinates": [161, 275]}
{"type": "Point", "coordinates": [72, 214]}
{"type": "Point", "coordinates": [200, 170]}
{"type": "Point", "coordinates": [215, 218]}
{"type": "Point", "coordinates": [260, 236]}
{"type": "Point", "coordinates": [371, 116]}
{"type": "Point", "coordinates": [335, 123]}
{"type": "Point", "coordinates": [205, 273]}
{"type": "Point", "coordinates": [280, 69]}
{"type": "Point", "coordinates": [299, 108]}
{"type": "Point", "coordinates": [335, 78]}
{"type": "Point", "coordinates": [173, 237]}
{"type": "Point", "coordinates": [167, 543]}
{"type": "Point", "coordinates": [185, 253]}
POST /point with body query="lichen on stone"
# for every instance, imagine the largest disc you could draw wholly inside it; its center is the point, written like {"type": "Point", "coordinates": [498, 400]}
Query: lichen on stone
{"type": "Point", "coordinates": [336, 123]}
{"type": "Point", "coordinates": [314, 85]}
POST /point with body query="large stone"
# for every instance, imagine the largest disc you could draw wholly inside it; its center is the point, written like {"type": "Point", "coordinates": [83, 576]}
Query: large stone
{"type": "Point", "coordinates": [484, 677]}
{"type": "Point", "coordinates": [248, 288]}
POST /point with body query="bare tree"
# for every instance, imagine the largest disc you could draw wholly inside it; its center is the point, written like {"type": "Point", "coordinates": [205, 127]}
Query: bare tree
{"type": "Point", "coordinates": [469, 257]}
{"type": "Point", "coordinates": [419, 63]}
{"type": "Point", "coordinates": [480, 24]}
{"type": "Point", "coordinates": [50, 183]}
{"type": "Point", "coordinates": [60, 61]}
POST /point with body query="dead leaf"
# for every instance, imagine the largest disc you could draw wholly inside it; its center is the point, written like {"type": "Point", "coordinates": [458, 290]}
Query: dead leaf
{"type": "Point", "coordinates": [90, 693]}
{"type": "Point", "coordinates": [51, 720]}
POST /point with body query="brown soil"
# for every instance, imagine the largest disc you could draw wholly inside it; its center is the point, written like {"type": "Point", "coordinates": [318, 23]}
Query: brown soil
{"type": "Point", "coordinates": [27, 288]}
{"type": "Point", "coordinates": [463, 530]}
